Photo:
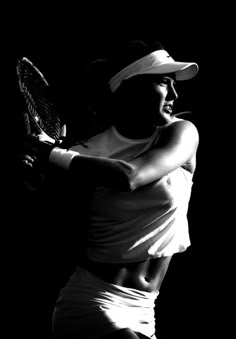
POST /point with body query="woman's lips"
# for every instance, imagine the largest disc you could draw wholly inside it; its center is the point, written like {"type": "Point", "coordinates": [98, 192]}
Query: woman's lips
{"type": "Point", "coordinates": [167, 109]}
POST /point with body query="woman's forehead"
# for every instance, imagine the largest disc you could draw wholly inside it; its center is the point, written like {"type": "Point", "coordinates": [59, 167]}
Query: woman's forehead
{"type": "Point", "coordinates": [141, 80]}
{"type": "Point", "coordinates": [161, 76]}
{"type": "Point", "coordinates": [155, 77]}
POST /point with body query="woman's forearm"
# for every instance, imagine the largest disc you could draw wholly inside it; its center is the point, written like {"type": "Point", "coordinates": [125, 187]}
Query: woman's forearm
{"type": "Point", "coordinates": [98, 170]}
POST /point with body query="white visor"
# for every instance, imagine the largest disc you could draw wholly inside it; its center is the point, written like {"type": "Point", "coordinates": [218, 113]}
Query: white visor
{"type": "Point", "coordinates": [158, 62]}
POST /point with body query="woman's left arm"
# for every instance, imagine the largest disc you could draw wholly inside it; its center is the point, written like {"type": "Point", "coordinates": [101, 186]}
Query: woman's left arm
{"type": "Point", "coordinates": [176, 147]}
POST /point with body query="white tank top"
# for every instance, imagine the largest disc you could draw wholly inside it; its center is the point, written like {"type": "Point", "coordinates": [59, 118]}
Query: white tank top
{"type": "Point", "coordinates": [147, 223]}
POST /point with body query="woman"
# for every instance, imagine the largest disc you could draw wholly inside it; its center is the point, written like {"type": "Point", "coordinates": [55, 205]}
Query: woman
{"type": "Point", "coordinates": [141, 170]}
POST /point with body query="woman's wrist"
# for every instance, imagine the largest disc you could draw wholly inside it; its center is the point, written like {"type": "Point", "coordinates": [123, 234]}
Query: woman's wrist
{"type": "Point", "coordinates": [61, 157]}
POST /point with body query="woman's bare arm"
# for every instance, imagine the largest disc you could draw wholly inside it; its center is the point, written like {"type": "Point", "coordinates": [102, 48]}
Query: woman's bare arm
{"type": "Point", "coordinates": [176, 147]}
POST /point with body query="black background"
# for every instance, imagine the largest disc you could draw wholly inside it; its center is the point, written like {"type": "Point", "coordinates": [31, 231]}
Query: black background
{"type": "Point", "coordinates": [40, 252]}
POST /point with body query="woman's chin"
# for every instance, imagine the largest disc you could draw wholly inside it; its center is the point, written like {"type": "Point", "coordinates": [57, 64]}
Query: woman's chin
{"type": "Point", "coordinates": [163, 119]}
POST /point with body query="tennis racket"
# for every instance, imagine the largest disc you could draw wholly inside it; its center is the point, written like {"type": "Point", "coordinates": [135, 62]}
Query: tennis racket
{"type": "Point", "coordinates": [40, 118]}
{"type": "Point", "coordinates": [42, 113]}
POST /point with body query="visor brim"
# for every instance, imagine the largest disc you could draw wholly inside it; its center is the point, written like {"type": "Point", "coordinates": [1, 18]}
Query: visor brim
{"type": "Point", "coordinates": [182, 70]}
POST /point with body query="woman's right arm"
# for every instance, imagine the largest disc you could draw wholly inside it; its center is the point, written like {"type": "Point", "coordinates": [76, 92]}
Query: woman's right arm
{"type": "Point", "coordinates": [113, 173]}
{"type": "Point", "coordinates": [177, 147]}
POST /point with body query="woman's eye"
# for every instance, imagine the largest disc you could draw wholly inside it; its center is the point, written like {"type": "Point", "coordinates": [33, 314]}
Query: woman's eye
{"type": "Point", "coordinates": [163, 83]}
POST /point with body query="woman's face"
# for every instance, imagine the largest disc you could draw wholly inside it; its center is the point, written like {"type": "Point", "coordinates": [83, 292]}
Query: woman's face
{"type": "Point", "coordinates": [164, 97]}
{"type": "Point", "coordinates": [151, 98]}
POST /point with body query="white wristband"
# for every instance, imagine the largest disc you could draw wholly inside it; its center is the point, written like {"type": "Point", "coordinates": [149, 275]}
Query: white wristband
{"type": "Point", "coordinates": [61, 157]}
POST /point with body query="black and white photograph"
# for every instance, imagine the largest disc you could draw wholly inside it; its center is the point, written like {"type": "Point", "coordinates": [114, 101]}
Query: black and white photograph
{"type": "Point", "coordinates": [114, 202]}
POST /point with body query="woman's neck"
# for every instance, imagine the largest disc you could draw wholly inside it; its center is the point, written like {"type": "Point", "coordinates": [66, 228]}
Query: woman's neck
{"type": "Point", "coordinates": [134, 130]}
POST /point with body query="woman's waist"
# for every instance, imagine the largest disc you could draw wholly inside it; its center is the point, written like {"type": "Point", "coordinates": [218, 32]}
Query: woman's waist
{"type": "Point", "coordinates": [144, 275]}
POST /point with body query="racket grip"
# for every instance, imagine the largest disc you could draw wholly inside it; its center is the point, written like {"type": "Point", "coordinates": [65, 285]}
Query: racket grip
{"type": "Point", "coordinates": [28, 125]}
{"type": "Point", "coordinates": [25, 124]}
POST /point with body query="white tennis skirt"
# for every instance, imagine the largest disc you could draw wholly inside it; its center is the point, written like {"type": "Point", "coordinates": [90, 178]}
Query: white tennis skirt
{"type": "Point", "coordinates": [89, 307]}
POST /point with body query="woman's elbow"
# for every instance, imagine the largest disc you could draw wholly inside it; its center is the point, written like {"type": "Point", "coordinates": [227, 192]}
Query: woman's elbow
{"type": "Point", "coordinates": [128, 177]}
{"type": "Point", "coordinates": [130, 185]}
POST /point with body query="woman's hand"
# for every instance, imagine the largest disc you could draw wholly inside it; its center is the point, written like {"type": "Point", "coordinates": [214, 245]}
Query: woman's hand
{"type": "Point", "coordinates": [32, 160]}
{"type": "Point", "coordinates": [30, 172]}
{"type": "Point", "coordinates": [38, 147]}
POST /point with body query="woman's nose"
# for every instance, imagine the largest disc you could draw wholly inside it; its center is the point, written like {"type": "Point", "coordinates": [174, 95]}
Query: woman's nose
{"type": "Point", "coordinates": [172, 93]}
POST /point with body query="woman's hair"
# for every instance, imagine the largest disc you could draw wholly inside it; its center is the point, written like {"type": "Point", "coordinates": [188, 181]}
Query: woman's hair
{"type": "Point", "coordinates": [98, 73]}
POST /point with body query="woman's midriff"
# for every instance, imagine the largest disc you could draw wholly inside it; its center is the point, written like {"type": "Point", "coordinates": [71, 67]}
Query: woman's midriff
{"type": "Point", "coordinates": [144, 276]}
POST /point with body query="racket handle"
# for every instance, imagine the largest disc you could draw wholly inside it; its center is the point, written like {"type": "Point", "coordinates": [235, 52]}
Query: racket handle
{"type": "Point", "coordinates": [28, 125]}
{"type": "Point", "coordinates": [25, 124]}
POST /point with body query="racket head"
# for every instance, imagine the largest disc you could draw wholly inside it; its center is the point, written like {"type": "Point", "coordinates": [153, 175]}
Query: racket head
{"type": "Point", "coordinates": [39, 100]}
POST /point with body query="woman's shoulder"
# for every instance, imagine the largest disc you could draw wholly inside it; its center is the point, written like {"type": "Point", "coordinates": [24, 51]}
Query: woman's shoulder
{"type": "Point", "coordinates": [182, 128]}
{"type": "Point", "coordinates": [179, 121]}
